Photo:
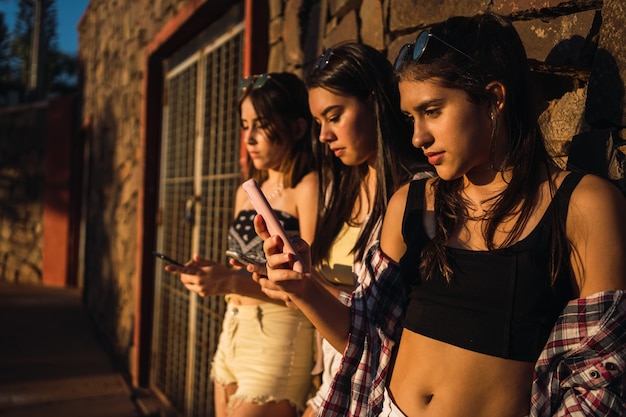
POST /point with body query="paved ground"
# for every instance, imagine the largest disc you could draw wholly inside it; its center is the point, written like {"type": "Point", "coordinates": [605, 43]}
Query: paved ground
{"type": "Point", "coordinates": [51, 363]}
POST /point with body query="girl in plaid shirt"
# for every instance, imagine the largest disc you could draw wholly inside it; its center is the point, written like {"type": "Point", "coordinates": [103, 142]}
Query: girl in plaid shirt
{"type": "Point", "coordinates": [500, 285]}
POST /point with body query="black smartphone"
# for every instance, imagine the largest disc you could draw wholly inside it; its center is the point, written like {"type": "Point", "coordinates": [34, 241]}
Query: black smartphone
{"type": "Point", "coordinates": [241, 258]}
{"type": "Point", "coordinates": [166, 258]}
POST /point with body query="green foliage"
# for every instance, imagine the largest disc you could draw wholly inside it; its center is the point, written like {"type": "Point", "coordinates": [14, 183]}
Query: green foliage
{"type": "Point", "coordinates": [62, 70]}
{"type": "Point", "coordinates": [4, 49]}
{"type": "Point", "coordinates": [59, 68]}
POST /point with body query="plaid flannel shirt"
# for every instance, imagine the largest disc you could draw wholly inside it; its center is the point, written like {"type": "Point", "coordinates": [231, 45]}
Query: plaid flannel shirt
{"type": "Point", "coordinates": [579, 373]}
{"type": "Point", "coordinates": [377, 307]}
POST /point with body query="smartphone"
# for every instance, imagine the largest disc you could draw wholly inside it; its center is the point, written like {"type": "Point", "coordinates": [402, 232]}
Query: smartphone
{"type": "Point", "coordinates": [262, 207]}
{"type": "Point", "coordinates": [241, 258]}
{"type": "Point", "coordinates": [166, 258]}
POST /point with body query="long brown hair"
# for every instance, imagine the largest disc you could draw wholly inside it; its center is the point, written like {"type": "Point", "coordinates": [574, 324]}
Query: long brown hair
{"type": "Point", "coordinates": [491, 51]}
{"type": "Point", "coordinates": [281, 100]}
{"type": "Point", "coordinates": [360, 71]}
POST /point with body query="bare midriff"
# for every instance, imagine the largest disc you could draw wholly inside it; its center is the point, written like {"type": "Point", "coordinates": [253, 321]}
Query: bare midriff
{"type": "Point", "coordinates": [435, 379]}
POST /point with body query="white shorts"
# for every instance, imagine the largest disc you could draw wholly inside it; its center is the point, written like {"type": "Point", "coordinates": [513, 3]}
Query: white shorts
{"type": "Point", "coordinates": [389, 408]}
{"type": "Point", "coordinates": [267, 350]}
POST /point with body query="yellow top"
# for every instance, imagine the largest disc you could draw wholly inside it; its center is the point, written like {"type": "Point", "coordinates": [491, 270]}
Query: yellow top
{"type": "Point", "coordinates": [339, 267]}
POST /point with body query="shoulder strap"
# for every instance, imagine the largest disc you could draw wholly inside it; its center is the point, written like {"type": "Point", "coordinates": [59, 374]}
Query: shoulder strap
{"type": "Point", "coordinates": [563, 194]}
{"type": "Point", "coordinates": [415, 197]}
{"type": "Point", "coordinates": [412, 220]}
{"type": "Point", "coordinates": [560, 249]}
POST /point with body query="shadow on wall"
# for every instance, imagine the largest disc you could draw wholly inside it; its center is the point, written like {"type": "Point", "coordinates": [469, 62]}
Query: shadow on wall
{"type": "Point", "coordinates": [597, 150]}
{"type": "Point", "coordinates": [22, 144]}
{"type": "Point", "coordinates": [106, 287]}
{"type": "Point", "coordinates": [21, 159]}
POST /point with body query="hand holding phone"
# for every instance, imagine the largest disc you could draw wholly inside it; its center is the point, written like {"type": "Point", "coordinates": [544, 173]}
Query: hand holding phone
{"type": "Point", "coordinates": [274, 227]}
{"type": "Point", "coordinates": [167, 258]}
{"type": "Point", "coordinates": [241, 258]}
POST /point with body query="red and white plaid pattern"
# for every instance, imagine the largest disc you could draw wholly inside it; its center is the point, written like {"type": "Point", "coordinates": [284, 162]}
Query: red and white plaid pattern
{"type": "Point", "coordinates": [377, 306]}
{"type": "Point", "coordinates": [581, 371]}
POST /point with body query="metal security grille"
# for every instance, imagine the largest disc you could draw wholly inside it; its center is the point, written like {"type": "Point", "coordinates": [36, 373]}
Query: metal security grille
{"type": "Point", "coordinates": [219, 181]}
{"type": "Point", "coordinates": [177, 186]}
{"type": "Point", "coordinates": [200, 175]}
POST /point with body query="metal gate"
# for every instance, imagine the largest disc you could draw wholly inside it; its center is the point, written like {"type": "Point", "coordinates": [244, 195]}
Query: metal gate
{"type": "Point", "coordinates": [199, 176]}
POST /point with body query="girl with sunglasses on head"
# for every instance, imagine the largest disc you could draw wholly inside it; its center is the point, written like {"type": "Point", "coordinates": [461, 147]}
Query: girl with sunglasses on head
{"type": "Point", "coordinates": [264, 355]}
{"type": "Point", "coordinates": [501, 282]}
{"type": "Point", "coordinates": [364, 155]}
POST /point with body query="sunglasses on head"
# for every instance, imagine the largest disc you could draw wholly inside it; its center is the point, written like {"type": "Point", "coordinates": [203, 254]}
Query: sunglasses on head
{"type": "Point", "coordinates": [253, 82]}
{"type": "Point", "coordinates": [322, 60]}
{"type": "Point", "coordinates": [415, 49]}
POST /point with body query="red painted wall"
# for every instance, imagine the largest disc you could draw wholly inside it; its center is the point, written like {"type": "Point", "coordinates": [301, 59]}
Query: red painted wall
{"type": "Point", "coordinates": [57, 186]}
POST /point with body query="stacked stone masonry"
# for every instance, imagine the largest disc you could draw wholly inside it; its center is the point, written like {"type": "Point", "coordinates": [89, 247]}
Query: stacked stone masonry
{"type": "Point", "coordinates": [562, 38]}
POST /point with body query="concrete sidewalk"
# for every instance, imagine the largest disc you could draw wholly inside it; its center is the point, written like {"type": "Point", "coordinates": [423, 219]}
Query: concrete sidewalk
{"type": "Point", "coordinates": [51, 363]}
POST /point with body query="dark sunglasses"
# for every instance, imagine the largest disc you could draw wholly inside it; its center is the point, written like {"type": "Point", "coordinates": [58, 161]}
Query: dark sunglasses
{"type": "Point", "coordinates": [322, 60]}
{"type": "Point", "coordinates": [415, 49]}
{"type": "Point", "coordinates": [253, 82]}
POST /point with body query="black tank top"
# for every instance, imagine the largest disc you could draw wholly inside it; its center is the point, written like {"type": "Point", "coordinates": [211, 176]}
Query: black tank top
{"type": "Point", "coordinates": [499, 302]}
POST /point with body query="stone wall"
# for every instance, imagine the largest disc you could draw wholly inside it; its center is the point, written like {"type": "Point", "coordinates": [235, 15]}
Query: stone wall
{"type": "Point", "coordinates": [576, 48]}
{"type": "Point", "coordinates": [112, 40]}
{"type": "Point", "coordinates": [22, 145]}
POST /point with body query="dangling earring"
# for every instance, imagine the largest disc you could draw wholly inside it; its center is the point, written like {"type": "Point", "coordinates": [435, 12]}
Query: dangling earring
{"type": "Point", "coordinates": [492, 146]}
{"type": "Point", "coordinates": [492, 150]}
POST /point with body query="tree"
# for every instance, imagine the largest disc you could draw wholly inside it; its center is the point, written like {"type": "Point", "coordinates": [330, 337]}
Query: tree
{"type": "Point", "coordinates": [59, 68]}
{"type": "Point", "coordinates": [5, 51]}
{"type": "Point", "coordinates": [63, 71]}
{"type": "Point", "coordinates": [9, 82]}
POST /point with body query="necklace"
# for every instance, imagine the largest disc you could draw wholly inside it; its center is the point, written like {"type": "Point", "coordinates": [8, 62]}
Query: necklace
{"type": "Point", "coordinates": [277, 191]}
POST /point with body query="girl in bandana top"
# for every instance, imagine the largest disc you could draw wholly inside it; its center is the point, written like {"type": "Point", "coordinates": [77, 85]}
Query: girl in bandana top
{"type": "Point", "coordinates": [265, 352]}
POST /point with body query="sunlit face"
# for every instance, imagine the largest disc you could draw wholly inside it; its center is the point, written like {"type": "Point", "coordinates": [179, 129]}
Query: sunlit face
{"type": "Point", "coordinates": [264, 153]}
{"type": "Point", "coordinates": [453, 132]}
{"type": "Point", "coordinates": [347, 125]}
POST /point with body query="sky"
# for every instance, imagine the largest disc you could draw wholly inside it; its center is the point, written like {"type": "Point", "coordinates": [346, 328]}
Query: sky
{"type": "Point", "coordinates": [69, 13]}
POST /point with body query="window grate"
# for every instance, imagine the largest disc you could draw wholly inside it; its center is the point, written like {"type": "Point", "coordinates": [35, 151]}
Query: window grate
{"type": "Point", "coordinates": [220, 178]}
{"type": "Point", "coordinates": [199, 179]}
{"type": "Point", "coordinates": [172, 300]}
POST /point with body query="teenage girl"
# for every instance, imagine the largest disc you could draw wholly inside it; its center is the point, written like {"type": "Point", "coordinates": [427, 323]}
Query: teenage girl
{"type": "Point", "coordinates": [515, 269]}
{"type": "Point", "coordinates": [264, 355]}
{"type": "Point", "coordinates": [363, 158]}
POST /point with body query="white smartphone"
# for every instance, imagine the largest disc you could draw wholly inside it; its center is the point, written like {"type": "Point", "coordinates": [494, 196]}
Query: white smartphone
{"type": "Point", "coordinates": [262, 207]}
{"type": "Point", "coordinates": [241, 258]}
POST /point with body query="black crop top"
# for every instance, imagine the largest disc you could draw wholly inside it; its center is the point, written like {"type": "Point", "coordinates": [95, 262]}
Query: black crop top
{"type": "Point", "coordinates": [500, 302]}
{"type": "Point", "coordinates": [243, 238]}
